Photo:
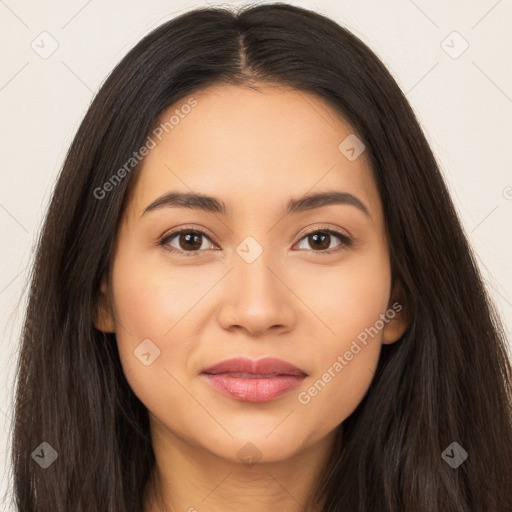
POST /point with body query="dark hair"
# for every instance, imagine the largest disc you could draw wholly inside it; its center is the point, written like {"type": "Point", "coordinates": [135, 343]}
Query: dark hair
{"type": "Point", "coordinates": [448, 379]}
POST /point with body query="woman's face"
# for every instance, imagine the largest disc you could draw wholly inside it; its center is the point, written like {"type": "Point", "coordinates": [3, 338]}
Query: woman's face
{"type": "Point", "coordinates": [256, 284]}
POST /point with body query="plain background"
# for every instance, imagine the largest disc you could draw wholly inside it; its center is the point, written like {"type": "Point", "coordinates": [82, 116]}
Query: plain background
{"type": "Point", "coordinates": [463, 101]}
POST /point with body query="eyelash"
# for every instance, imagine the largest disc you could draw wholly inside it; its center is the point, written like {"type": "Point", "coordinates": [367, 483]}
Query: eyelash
{"type": "Point", "coordinates": [346, 242]}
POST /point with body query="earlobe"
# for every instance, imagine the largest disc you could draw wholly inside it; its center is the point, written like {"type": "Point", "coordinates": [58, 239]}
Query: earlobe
{"type": "Point", "coordinates": [104, 318]}
{"type": "Point", "coordinates": [398, 316]}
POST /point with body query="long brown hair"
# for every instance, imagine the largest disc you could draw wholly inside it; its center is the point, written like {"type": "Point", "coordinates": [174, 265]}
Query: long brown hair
{"type": "Point", "coordinates": [447, 380]}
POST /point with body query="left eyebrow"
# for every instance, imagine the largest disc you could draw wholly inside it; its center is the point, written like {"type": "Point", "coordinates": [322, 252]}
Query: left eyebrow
{"type": "Point", "coordinates": [212, 204]}
{"type": "Point", "coordinates": [325, 199]}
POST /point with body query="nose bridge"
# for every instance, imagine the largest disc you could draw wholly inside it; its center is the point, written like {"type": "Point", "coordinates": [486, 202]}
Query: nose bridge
{"type": "Point", "coordinates": [255, 297]}
{"type": "Point", "coordinates": [253, 266]}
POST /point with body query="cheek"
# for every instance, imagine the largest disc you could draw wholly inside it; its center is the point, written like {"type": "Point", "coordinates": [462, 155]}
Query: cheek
{"type": "Point", "coordinates": [151, 314]}
{"type": "Point", "coordinates": [153, 297]}
{"type": "Point", "coordinates": [345, 298]}
{"type": "Point", "coordinates": [146, 303]}
{"type": "Point", "coordinates": [349, 303]}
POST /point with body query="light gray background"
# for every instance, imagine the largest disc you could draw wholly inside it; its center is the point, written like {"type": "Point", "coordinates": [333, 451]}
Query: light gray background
{"type": "Point", "coordinates": [464, 103]}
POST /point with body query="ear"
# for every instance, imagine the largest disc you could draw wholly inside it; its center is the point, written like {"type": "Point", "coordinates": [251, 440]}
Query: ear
{"type": "Point", "coordinates": [398, 318]}
{"type": "Point", "coordinates": [104, 317]}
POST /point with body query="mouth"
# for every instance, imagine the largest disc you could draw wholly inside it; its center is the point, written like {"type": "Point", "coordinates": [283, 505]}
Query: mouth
{"type": "Point", "coordinates": [253, 381]}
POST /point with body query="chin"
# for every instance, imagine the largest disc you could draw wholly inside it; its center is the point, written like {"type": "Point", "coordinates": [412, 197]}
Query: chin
{"type": "Point", "coordinates": [250, 447]}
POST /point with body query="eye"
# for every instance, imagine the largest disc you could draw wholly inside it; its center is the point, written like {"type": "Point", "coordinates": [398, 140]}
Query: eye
{"type": "Point", "coordinates": [192, 242]}
{"type": "Point", "coordinates": [188, 241]}
{"type": "Point", "coordinates": [322, 238]}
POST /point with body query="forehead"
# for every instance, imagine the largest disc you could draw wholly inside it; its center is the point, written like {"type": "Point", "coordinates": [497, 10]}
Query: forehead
{"type": "Point", "coordinates": [252, 147]}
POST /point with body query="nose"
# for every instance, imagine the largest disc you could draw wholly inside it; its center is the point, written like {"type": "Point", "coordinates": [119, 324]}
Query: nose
{"type": "Point", "coordinates": [256, 298]}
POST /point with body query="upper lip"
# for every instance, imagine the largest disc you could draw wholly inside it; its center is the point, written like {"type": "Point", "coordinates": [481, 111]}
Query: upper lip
{"type": "Point", "coordinates": [264, 366]}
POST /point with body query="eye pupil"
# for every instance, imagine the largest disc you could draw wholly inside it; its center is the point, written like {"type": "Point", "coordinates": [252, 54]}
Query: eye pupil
{"type": "Point", "coordinates": [187, 239]}
{"type": "Point", "coordinates": [323, 237]}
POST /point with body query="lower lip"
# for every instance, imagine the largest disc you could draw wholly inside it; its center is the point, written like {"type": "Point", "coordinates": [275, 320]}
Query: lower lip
{"type": "Point", "coordinates": [257, 389]}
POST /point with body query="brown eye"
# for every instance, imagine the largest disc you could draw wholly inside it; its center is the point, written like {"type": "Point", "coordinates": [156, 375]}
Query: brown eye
{"type": "Point", "coordinates": [191, 241]}
{"type": "Point", "coordinates": [320, 241]}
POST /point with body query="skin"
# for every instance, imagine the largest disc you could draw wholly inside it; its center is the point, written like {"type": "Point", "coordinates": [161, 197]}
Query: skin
{"type": "Point", "coordinates": [255, 150]}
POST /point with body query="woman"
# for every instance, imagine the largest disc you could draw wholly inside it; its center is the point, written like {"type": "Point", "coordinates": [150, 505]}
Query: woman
{"type": "Point", "coordinates": [252, 292]}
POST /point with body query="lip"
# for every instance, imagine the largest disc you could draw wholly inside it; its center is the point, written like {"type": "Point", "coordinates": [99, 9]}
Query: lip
{"type": "Point", "coordinates": [267, 366]}
{"type": "Point", "coordinates": [253, 381]}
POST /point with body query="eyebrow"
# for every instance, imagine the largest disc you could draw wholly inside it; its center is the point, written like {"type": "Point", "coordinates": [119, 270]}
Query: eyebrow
{"type": "Point", "coordinates": [211, 204]}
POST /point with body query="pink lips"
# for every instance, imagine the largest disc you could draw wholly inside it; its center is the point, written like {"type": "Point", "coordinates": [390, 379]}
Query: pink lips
{"type": "Point", "coordinates": [254, 381]}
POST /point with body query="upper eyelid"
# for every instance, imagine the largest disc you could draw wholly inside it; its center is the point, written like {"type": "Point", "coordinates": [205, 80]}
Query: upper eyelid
{"type": "Point", "coordinates": [335, 231]}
